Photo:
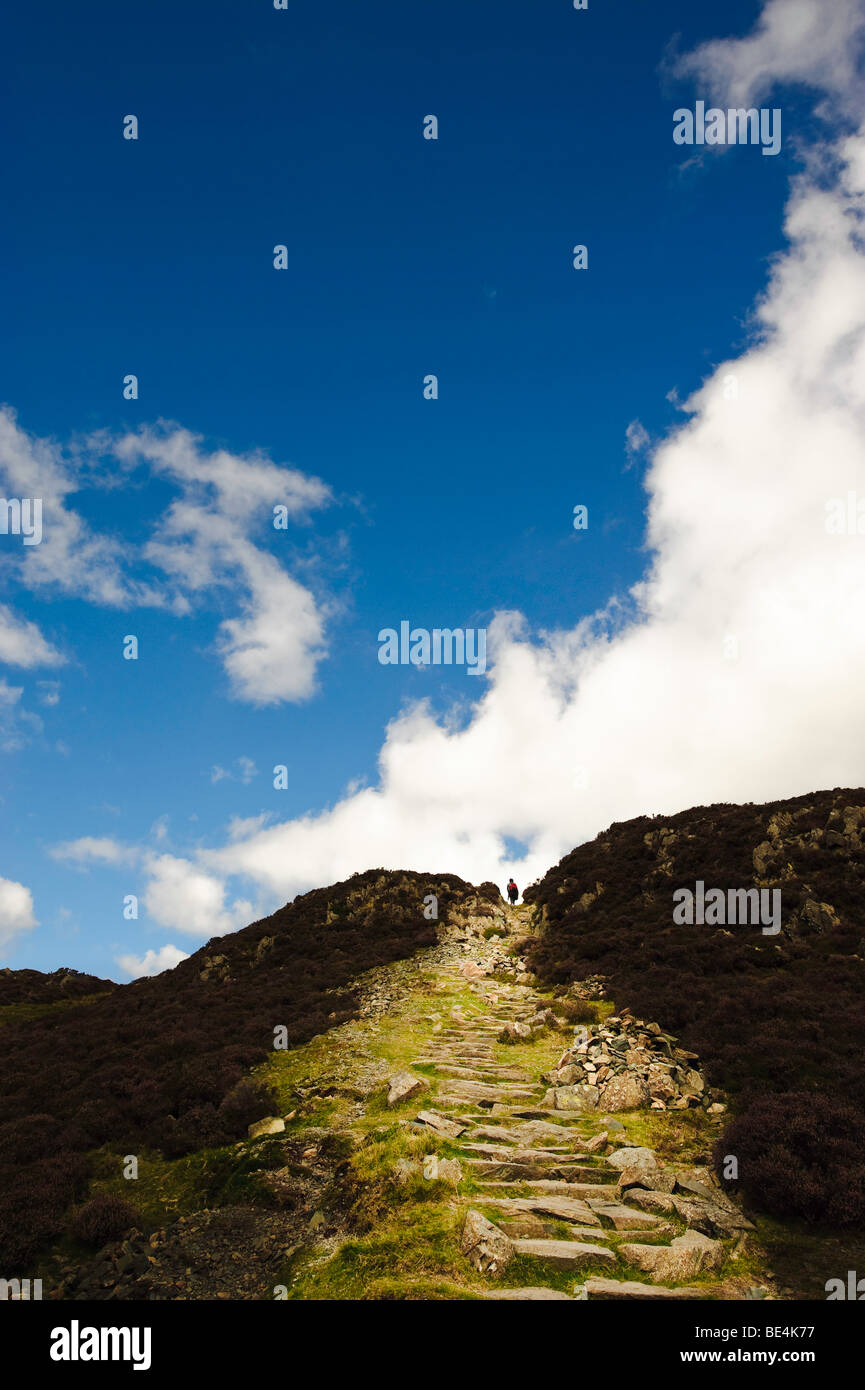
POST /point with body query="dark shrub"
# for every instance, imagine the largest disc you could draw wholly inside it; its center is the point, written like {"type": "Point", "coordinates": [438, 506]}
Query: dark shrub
{"type": "Point", "coordinates": [576, 1010]}
{"type": "Point", "coordinates": [102, 1219]}
{"type": "Point", "coordinates": [767, 1014]}
{"type": "Point", "coordinates": [161, 1063]}
{"type": "Point", "coordinates": [33, 1201]}
{"type": "Point", "coordinates": [800, 1154]}
{"type": "Point", "coordinates": [244, 1104]}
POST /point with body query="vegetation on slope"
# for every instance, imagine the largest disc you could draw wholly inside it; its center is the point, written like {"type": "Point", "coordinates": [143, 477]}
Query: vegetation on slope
{"type": "Point", "coordinates": [163, 1063]}
{"type": "Point", "coordinates": [777, 1020]}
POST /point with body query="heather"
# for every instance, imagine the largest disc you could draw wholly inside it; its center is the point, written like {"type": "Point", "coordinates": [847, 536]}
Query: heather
{"type": "Point", "coordinates": [163, 1063]}
{"type": "Point", "coordinates": [770, 1016]}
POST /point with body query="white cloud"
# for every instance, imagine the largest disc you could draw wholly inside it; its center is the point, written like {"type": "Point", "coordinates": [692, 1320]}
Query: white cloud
{"type": "Point", "coordinates": [16, 910]}
{"type": "Point", "coordinates": [794, 41]}
{"type": "Point", "coordinates": [22, 644]}
{"type": "Point", "coordinates": [272, 650]}
{"type": "Point", "coordinates": [152, 962]}
{"type": "Point", "coordinates": [185, 898]}
{"type": "Point", "coordinates": [636, 441]}
{"type": "Point", "coordinates": [736, 669]}
{"type": "Point", "coordinates": [206, 544]}
{"type": "Point", "coordinates": [246, 770]}
{"type": "Point", "coordinates": [91, 849]}
{"type": "Point", "coordinates": [241, 827]}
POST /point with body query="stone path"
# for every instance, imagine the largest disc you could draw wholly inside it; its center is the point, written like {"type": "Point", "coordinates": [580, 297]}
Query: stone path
{"type": "Point", "coordinates": [547, 1192]}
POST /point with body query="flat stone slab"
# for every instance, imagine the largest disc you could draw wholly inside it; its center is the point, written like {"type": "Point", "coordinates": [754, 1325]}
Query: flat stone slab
{"type": "Point", "coordinates": [567, 1189]}
{"type": "Point", "coordinates": [625, 1289]}
{"type": "Point", "coordinates": [579, 1172]}
{"type": "Point", "coordinates": [482, 1090]}
{"type": "Point", "coordinates": [624, 1218]}
{"type": "Point", "coordinates": [565, 1254]}
{"type": "Point", "coordinates": [562, 1208]}
{"type": "Point", "coordinates": [440, 1124]}
{"type": "Point", "coordinates": [485, 1168]}
{"type": "Point", "coordinates": [544, 1157]}
{"type": "Point", "coordinates": [529, 1295]}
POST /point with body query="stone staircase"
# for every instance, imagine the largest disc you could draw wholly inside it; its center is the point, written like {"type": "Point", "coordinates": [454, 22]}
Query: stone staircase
{"type": "Point", "coordinates": [551, 1195]}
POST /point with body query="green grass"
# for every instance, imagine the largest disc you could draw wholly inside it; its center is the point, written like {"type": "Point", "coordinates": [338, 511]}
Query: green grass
{"type": "Point", "coordinates": [399, 1240]}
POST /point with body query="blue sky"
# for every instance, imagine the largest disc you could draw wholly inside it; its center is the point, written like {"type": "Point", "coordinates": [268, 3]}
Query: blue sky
{"type": "Point", "coordinates": [260, 127]}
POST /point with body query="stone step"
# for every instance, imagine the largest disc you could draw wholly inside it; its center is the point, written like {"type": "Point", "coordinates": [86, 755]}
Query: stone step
{"type": "Point", "coordinates": [482, 1090]}
{"type": "Point", "coordinates": [485, 1168]}
{"type": "Point", "coordinates": [529, 1295]}
{"type": "Point", "coordinates": [623, 1218]}
{"type": "Point", "coordinates": [565, 1254]}
{"type": "Point", "coordinates": [610, 1289]}
{"type": "Point", "coordinates": [560, 1208]}
{"type": "Point", "coordinates": [440, 1124]}
{"type": "Point", "coordinates": [547, 1157]}
{"type": "Point", "coordinates": [572, 1189]}
{"type": "Point", "coordinates": [497, 1134]}
{"type": "Point", "coordinates": [493, 1076]}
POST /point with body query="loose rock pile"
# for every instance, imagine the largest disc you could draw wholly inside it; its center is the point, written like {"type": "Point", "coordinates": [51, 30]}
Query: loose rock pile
{"type": "Point", "coordinates": [625, 1063]}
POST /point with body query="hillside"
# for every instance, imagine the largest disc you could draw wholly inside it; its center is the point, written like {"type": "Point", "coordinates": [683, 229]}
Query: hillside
{"type": "Point", "coordinates": [353, 1099]}
{"type": "Point", "coordinates": [33, 987]}
{"type": "Point", "coordinates": [778, 1019]}
{"type": "Point", "coordinates": [163, 1062]}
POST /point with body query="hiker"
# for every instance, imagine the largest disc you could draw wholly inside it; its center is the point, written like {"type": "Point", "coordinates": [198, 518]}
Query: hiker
{"type": "Point", "coordinates": [513, 892]}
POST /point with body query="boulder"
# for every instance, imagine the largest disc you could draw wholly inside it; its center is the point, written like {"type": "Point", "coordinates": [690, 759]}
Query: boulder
{"type": "Point", "coordinates": [625, 1092]}
{"type": "Point", "coordinates": [646, 1175]}
{"type": "Point", "coordinates": [472, 971]}
{"type": "Point", "coordinates": [403, 1086]}
{"type": "Point", "coordinates": [440, 1124]}
{"type": "Point", "coordinates": [573, 1098]}
{"type": "Point", "coordinates": [272, 1125]}
{"type": "Point", "coordinates": [687, 1255]}
{"type": "Point", "coordinates": [449, 1170]}
{"type": "Point", "coordinates": [488, 1248]}
{"type": "Point", "coordinates": [565, 1254]}
{"type": "Point", "coordinates": [627, 1157]}
{"type": "Point", "coordinates": [514, 1032]}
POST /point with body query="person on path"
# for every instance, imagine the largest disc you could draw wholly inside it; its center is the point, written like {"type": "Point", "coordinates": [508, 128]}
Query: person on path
{"type": "Point", "coordinates": [513, 892]}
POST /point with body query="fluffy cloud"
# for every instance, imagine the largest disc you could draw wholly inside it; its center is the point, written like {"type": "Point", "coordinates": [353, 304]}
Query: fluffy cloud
{"type": "Point", "coordinates": [272, 649]}
{"type": "Point", "coordinates": [152, 962]}
{"type": "Point", "coordinates": [22, 644]}
{"type": "Point", "coordinates": [202, 547]}
{"type": "Point", "coordinates": [91, 849]}
{"type": "Point", "coordinates": [16, 910]}
{"type": "Point", "coordinates": [185, 898]}
{"type": "Point", "coordinates": [794, 41]}
{"type": "Point", "coordinates": [735, 669]}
